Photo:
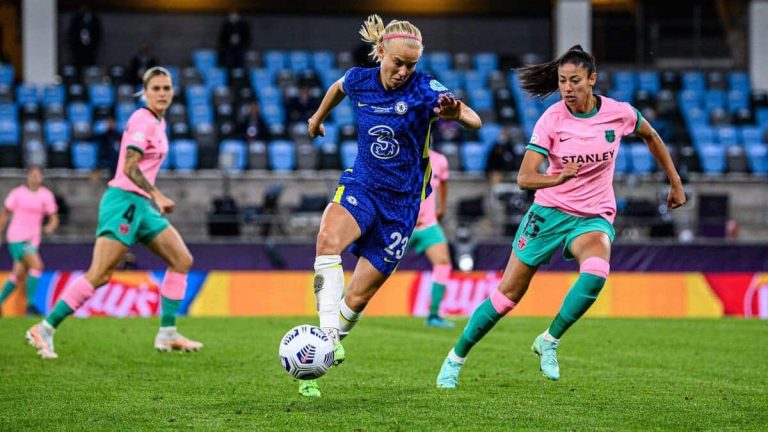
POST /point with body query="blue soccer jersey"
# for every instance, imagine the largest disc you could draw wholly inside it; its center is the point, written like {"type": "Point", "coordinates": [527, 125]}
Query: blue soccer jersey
{"type": "Point", "coordinates": [393, 132]}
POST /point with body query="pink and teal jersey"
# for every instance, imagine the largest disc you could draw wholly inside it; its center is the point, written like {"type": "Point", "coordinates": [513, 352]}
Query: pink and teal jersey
{"type": "Point", "coordinates": [28, 208]}
{"type": "Point", "coordinates": [144, 133]}
{"type": "Point", "coordinates": [591, 139]}
{"type": "Point", "coordinates": [428, 209]}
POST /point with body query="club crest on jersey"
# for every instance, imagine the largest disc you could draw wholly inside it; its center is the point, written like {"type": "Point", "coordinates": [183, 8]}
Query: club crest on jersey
{"type": "Point", "coordinates": [352, 200]}
{"type": "Point", "coordinates": [610, 135]}
{"type": "Point", "coordinates": [401, 107]}
{"type": "Point", "coordinates": [386, 146]}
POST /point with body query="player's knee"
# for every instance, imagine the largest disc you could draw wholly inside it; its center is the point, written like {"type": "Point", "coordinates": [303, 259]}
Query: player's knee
{"type": "Point", "coordinates": [328, 244]}
{"type": "Point", "coordinates": [184, 263]}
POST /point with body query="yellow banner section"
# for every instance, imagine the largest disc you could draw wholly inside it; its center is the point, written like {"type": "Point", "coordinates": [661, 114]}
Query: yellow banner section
{"type": "Point", "coordinates": [404, 294]}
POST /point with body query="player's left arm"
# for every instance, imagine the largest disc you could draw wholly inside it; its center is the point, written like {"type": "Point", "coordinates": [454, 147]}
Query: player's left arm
{"type": "Point", "coordinates": [450, 108]}
{"type": "Point", "coordinates": [651, 138]}
{"type": "Point", "coordinates": [134, 173]}
{"type": "Point", "coordinates": [53, 223]}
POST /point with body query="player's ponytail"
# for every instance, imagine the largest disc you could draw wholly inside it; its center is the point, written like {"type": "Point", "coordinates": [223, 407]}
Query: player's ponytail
{"type": "Point", "coordinates": [373, 32]}
{"type": "Point", "coordinates": [541, 79]}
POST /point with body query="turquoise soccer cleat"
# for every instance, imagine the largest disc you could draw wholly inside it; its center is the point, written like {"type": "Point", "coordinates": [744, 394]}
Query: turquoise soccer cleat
{"type": "Point", "coordinates": [547, 351]}
{"type": "Point", "coordinates": [448, 378]}
{"type": "Point", "coordinates": [436, 321]}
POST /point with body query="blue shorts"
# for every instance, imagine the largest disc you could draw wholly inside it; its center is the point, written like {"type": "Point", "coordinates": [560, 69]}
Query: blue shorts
{"type": "Point", "coordinates": [386, 225]}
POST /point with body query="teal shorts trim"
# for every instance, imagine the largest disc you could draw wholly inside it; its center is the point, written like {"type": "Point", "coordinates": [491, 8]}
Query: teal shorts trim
{"type": "Point", "coordinates": [544, 229]}
{"type": "Point", "coordinates": [129, 218]}
{"type": "Point", "coordinates": [423, 239]}
{"type": "Point", "coordinates": [19, 250]}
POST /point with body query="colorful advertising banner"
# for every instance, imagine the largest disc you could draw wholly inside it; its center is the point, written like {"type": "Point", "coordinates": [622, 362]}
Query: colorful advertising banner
{"type": "Point", "coordinates": [407, 293]}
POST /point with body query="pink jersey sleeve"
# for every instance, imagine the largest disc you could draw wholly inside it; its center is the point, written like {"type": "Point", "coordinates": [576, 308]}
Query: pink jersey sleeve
{"type": "Point", "coordinates": [439, 166]}
{"type": "Point", "coordinates": [542, 137]}
{"type": "Point", "coordinates": [49, 205]}
{"type": "Point", "coordinates": [144, 133]}
{"type": "Point", "coordinates": [633, 119]}
{"type": "Point", "coordinates": [137, 132]}
{"type": "Point", "coordinates": [10, 200]}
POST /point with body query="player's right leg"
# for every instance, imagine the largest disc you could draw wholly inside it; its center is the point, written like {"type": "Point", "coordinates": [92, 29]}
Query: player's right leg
{"type": "Point", "coordinates": [514, 284]}
{"type": "Point", "coordinates": [106, 255]}
{"type": "Point", "coordinates": [34, 263]}
{"type": "Point", "coordinates": [15, 278]}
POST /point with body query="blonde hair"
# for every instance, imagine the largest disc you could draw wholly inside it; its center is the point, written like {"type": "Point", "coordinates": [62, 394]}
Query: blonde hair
{"type": "Point", "coordinates": [374, 32]}
{"type": "Point", "coordinates": [153, 72]}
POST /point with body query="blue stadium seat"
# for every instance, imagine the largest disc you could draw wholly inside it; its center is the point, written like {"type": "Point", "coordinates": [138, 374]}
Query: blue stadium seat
{"type": "Point", "coordinates": [102, 95]}
{"type": "Point", "coordinates": [53, 94]}
{"type": "Point", "coordinates": [481, 99]}
{"type": "Point", "coordinates": [6, 74]}
{"type": "Point", "coordinates": [85, 155]}
{"type": "Point", "coordinates": [8, 111]}
{"type": "Point", "coordinates": [26, 93]}
{"type": "Point", "coordinates": [621, 94]}
{"type": "Point", "coordinates": [57, 130]}
{"type": "Point", "coordinates": [331, 135]}
{"type": "Point", "coordinates": [273, 112]}
{"type": "Point", "coordinates": [168, 161]}
{"type": "Point", "coordinates": [123, 112]}
{"type": "Point", "coordinates": [624, 81]}
{"type": "Point", "coordinates": [282, 156]}
{"type": "Point", "coordinates": [642, 159]}
{"type": "Point", "coordinates": [475, 79]}
{"type": "Point", "coordinates": [202, 113]}
{"type": "Point", "coordinates": [712, 158]}
{"type": "Point", "coordinates": [649, 81]}
{"type": "Point", "coordinates": [757, 157]}
{"type": "Point", "coordinates": [275, 60]}
{"type": "Point", "coordinates": [486, 62]}
{"type": "Point", "coordinates": [99, 127]}
{"type": "Point", "coordinates": [215, 77]}
{"type": "Point", "coordinates": [761, 117]}
{"type": "Point", "coordinates": [489, 134]}
{"type": "Point", "coordinates": [622, 161]}
{"type": "Point", "coordinates": [689, 99]}
{"type": "Point", "coordinates": [198, 95]}
{"type": "Point", "coordinates": [263, 78]}
{"type": "Point", "coordinates": [269, 95]}
{"type": "Point", "coordinates": [550, 100]}
{"type": "Point", "coordinates": [329, 76]}
{"type": "Point", "coordinates": [175, 75]}
{"type": "Point", "coordinates": [323, 60]}
{"type": "Point", "coordinates": [737, 99]}
{"type": "Point", "coordinates": [702, 135]}
{"type": "Point", "coordinates": [439, 61]}
{"type": "Point", "coordinates": [727, 136]}
{"type": "Point", "coordinates": [752, 135]}
{"type": "Point", "coordinates": [695, 118]}
{"type": "Point", "coordinates": [79, 112]}
{"type": "Point", "coordinates": [9, 132]}
{"type": "Point", "coordinates": [451, 79]}
{"type": "Point", "coordinates": [473, 157]}
{"type": "Point", "coordinates": [343, 114]}
{"type": "Point", "coordinates": [739, 81]}
{"type": "Point", "coordinates": [714, 99]}
{"type": "Point", "coordinates": [348, 154]}
{"type": "Point", "coordinates": [694, 81]}
{"type": "Point", "coordinates": [204, 59]}
{"type": "Point", "coordinates": [183, 154]}
{"type": "Point", "coordinates": [233, 155]}
{"type": "Point", "coordinates": [299, 61]}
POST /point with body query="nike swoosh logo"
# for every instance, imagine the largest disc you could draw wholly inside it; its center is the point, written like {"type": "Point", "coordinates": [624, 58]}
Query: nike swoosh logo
{"type": "Point", "coordinates": [565, 139]}
{"type": "Point", "coordinates": [389, 261]}
{"type": "Point", "coordinates": [360, 104]}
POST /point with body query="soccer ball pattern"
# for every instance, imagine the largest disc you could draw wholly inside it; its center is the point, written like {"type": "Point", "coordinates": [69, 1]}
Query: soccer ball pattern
{"type": "Point", "coordinates": [306, 352]}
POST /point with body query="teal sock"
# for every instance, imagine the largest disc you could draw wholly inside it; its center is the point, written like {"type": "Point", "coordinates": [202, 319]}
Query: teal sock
{"type": "Point", "coordinates": [580, 297]}
{"type": "Point", "coordinates": [438, 292]}
{"type": "Point", "coordinates": [59, 312]}
{"type": "Point", "coordinates": [31, 289]}
{"type": "Point", "coordinates": [7, 290]}
{"type": "Point", "coordinates": [168, 315]}
{"type": "Point", "coordinates": [482, 321]}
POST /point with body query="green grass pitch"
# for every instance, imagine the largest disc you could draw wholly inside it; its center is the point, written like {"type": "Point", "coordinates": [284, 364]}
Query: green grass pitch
{"type": "Point", "coordinates": [616, 375]}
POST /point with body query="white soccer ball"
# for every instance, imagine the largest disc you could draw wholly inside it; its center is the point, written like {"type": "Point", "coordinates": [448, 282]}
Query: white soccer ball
{"type": "Point", "coordinates": [306, 352]}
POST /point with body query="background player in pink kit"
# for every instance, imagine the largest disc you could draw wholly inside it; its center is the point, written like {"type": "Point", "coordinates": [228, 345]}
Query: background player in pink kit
{"type": "Point", "coordinates": [428, 238]}
{"type": "Point", "coordinates": [127, 216]}
{"type": "Point", "coordinates": [574, 204]}
{"type": "Point", "coordinates": [27, 205]}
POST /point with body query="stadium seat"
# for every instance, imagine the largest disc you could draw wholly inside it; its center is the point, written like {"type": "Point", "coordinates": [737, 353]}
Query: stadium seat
{"type": "Point", "coordinates": [694, 81]}
{"type": "Point", "coordinates": [232, 155]}
{"type": "Point", "coordinates": [79, 112]}
{"type": "Point", "coordinates": [197, 95]}
{"type": "Point", "coordinates": [263, 78]}
{"type": "Point", "coordinates": [81, 130]}
{"type": "Point", "coordinates": [625, 81]}
{"type": "Point", "coordinates": [323, 60]}
{"type": "Point", "coordinates": [6, 74]}
{"type": "Point", "coordinates": [200, 114]}
{"type": "Point", "coordinates": [642, 160]}
{"type": "Point", "coordinates": [53, 94]}
{"type": "Point", "coordinates": [348, 154]}
{"type": "Point", "coordinates": [451, 79]}
{"type": "Point", "coordinates": [739, 81]}
{"type": "Point", "coordinates": [343, 114]}
{"type": "Point", "coordinates": [475, 80]}
{"type": "Point", "coordinates": [204, 59]}
{"type": "Point", "coordinates": [649, 81]}
{"type": "Point", "coordinates": [761, 117]}
{"type": "Point", "coordinates": [752, 135]}
{"type": "Point", "coordinates": [9, 132]}
{"type": "Point", "coordinates": [714, 99]}
{"type": "Point", "coordinates": [102, 95]}
{"type": "Point", "coordinates": [215, 77]}
{"type": "Point", "coordinates": [26, 94]}
{"type": "Point", "coordinates": [481, 99]}
{"type": "Point", "coordinates": [486, 61]}
{"type": "Point", "coordinates": [274, 60]}
{"type": "Point", "coordinates": [737, 99]}
{"type": "Point", "coordinates": [727, 136]}
{"type": "Point", "coordinates": [439, 61]}
{"type": "Point", "coordinates": [57, 130]}
{"type": "Point", "coordinates": [489, 134]}
{"type": "Point", "coordinates": [282, 156]}
{"type": "Point", "coordinates": [622, 161]}
{"type": "Point", "coordinates": [712, 159]}
{"type": "Point", "coordinates": [8, 111]}
{"type": "Point", "coordinates": [85, 155]}
{"type": "Point", "coordinates": [473, 157]}
{"type": "Point", "coordinates": [331, 135]}
{"type": "Point", "coordinates": [299, 61]}
{"type": "Point", "coordinates": [183, 153]}
{"type": "Point", "coordinates": [757, 157]}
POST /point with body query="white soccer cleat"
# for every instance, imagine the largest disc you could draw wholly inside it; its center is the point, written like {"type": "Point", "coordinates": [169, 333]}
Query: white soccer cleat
{"type": "Point", "coordinates": [168, 339]}
{"type": "Point", "coordinates": [41, 337]}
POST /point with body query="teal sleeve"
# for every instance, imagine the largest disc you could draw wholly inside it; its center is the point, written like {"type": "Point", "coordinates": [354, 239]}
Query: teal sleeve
{"type": "Point", "coordinates": [537, 149]}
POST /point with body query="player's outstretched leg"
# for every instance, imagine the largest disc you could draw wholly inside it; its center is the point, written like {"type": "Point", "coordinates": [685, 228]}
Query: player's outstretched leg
{"type": "Point", "coordinates": [40, 336]}
{"type": "Point", "coordinates": [440, 275]}
{"type": "Point", "coordinates": [546, 348]}
{"type": "Point", "coordinates": [448, 378]}
{"type": "Point", "coordinates": [172, 292]}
